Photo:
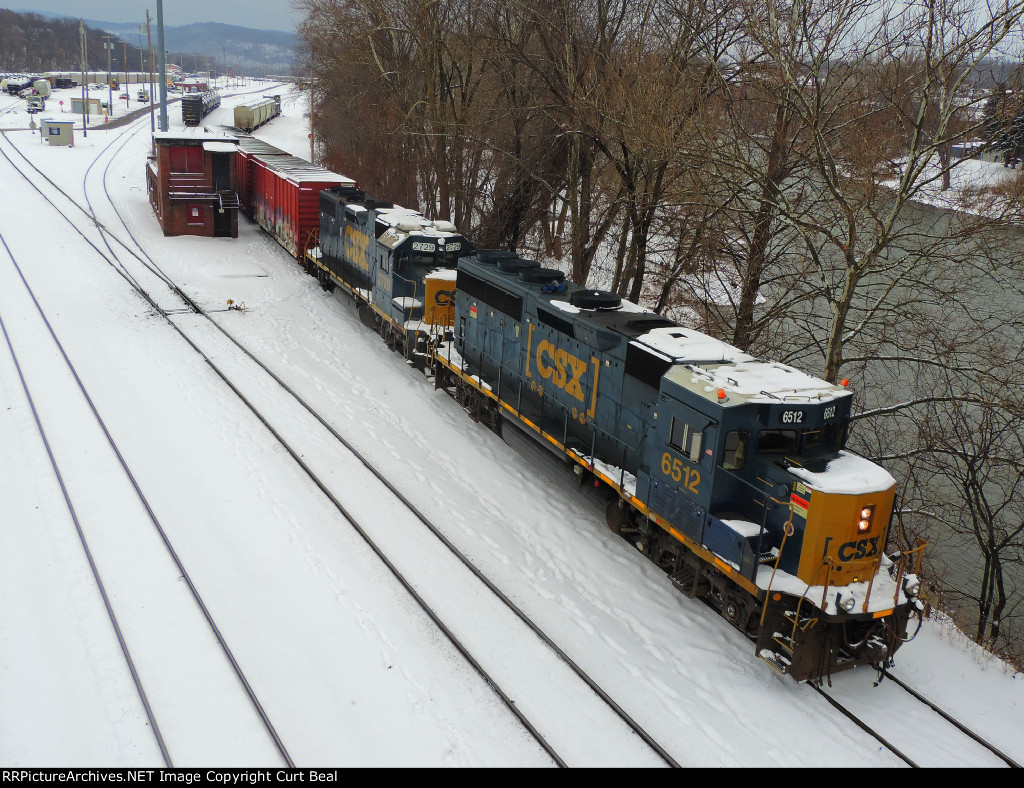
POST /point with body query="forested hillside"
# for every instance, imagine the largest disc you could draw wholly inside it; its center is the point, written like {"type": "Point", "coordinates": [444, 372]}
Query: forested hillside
{"type": "Point", "coordinates": [36, 42]}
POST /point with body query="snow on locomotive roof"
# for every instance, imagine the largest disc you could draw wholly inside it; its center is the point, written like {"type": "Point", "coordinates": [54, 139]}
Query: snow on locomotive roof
{"type": "Point", "coordinates": [407, 220]}
{"type": "Point", "coordinates": [708, 364]}
{"type": "Point", "coordinates": [691, 347]}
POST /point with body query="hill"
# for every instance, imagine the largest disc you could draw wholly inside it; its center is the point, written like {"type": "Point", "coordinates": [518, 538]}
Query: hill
{"type": "Point", "coordinates": [46, 41]}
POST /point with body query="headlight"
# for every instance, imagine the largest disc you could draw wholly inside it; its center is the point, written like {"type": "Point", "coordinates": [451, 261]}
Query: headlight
{"type": "Point", "coordinates": [867, 516]}
{"type": "Point", "coordinates": [911, 586]}
{"type": "Point", "coordinates": [845, 601]}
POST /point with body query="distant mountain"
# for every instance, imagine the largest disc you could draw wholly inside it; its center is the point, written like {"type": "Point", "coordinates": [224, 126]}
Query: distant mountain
{"type": "Point", "coordinates": [208, 46]}
{"type": "Point", "coordinates": [242, 49]}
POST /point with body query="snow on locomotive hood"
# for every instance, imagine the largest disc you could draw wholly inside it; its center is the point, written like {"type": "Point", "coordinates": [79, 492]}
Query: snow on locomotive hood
{"type": "Point", "coordinates": [847, 474]}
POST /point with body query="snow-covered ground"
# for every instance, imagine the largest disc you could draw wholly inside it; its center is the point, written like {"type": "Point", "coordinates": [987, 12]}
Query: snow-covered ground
{"type": "Point", "coordinates": [344, 663]}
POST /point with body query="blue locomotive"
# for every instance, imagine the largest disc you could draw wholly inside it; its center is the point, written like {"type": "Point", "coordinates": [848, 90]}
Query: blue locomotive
{"type": "Point", "coordinates": [398, 265]}
{"type": "Point", "coordinates": [727, 471]}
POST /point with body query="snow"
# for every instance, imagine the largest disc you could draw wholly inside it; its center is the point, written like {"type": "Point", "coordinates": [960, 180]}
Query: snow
{"type": "Point", "coordinates": [848, 474]}
{"type": "Point", "coordinates": [344, 662]}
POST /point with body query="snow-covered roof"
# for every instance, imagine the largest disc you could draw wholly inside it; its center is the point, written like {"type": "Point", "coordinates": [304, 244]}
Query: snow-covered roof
{"type": "Point", "coordinates": [405, 222]}
{"type": "Point", "coordinates": [220, 147]}
{"type": "Point", "coordinates": [198, 137]}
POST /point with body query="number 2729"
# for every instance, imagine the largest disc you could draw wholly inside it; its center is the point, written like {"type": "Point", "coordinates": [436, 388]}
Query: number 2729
{"type": "Point", "coordinates": [674, 469]}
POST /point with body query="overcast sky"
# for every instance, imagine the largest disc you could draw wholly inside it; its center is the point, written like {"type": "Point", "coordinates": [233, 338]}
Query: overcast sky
{"type": "Point", "coordinates": [259, 14]}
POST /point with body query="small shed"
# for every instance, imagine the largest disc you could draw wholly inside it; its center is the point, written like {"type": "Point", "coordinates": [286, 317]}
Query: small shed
{"type": "Point", "coordinates": [58, 132]}
{"type": "Point", "coordinates": [192, 183]}
{"type": "Point", "coordinates": [94, 106]}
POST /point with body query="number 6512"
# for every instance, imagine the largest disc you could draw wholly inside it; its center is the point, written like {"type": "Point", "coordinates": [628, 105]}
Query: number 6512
{"type": "Point", "coordinates": [674, 469]}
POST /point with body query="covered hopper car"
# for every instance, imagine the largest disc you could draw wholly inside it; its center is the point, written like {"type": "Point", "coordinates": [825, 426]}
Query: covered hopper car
{"type": "Point", "coordinates": [249, 117]}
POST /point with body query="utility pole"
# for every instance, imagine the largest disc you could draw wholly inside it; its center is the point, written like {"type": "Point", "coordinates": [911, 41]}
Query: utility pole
{"type": "Point", "coordinates": [85, 91]}
{"type": "Point", "coordinates": [124, 52]}
{"type": "Point", "coordinates": [110, 77]}
{"type": "Point", "coordinates": [312, 157]}
{"type": "Point", "coordinates": [162, 54]}
{"type": "Point", "coordinates": [152, 94]}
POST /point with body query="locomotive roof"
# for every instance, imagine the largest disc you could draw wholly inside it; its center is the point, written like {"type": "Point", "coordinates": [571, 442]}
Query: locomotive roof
{"type": "Point", "coordinates": [699, 363]}
{"type": "Point", "coordinates": [404, 223]}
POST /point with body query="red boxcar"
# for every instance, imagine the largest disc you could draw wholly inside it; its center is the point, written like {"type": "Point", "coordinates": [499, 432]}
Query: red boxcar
{"type": "Point", "coordinates": [281, 193]}
{"type": "Point", "coordinates": [249, 147]}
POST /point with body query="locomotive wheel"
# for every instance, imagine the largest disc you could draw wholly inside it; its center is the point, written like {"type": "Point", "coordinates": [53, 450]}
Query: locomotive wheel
{"type": "Point", "coordinates": [616, 517]}
{"type": "Point", "coordinates": [366, 316]}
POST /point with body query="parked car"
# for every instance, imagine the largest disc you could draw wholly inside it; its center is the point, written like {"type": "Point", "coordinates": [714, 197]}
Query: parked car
{"type": "Point", "coordinates": [123, 95]}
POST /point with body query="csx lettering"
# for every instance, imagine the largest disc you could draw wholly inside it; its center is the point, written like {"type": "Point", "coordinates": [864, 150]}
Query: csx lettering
{"type": "Point", "coordinates": [863, 548]}
{"type": "Point", "coordinates": [355, 247]}
{"type": "Point", "coordinates": [444, 297]}
{"type": "Point", "coordinates": [562, 368]}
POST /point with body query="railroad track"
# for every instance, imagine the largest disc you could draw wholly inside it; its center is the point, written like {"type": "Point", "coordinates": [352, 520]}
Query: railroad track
{"type": "Point", "coordinates": [536, 710]}
{"type": "Point", "coordinates": [924, 735]}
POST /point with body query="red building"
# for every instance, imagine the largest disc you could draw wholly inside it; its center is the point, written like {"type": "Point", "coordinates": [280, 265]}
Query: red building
{"type": "Point", "coordinates": [193, 184]}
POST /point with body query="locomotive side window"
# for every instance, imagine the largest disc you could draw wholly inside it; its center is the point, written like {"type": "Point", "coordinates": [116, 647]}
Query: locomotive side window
{"type": "Point", "coordinates": [735, 452]}
{"type": "Point", "coordinates": [684, 438]}
{"type": "Point", "coordinates": [819, 437]}
{"type": "Point", "coordinates": [776, 440]}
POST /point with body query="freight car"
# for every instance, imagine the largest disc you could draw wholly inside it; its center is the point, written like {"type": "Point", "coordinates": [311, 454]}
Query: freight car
{"type": "Point", "coordinates": [281, 193]}
{"type": "Point", "coordinates": [249, 117]}
{"type": "Point", "coordinates": [728, 472]}
{"type": "Point", "coordinates": [196, 106]}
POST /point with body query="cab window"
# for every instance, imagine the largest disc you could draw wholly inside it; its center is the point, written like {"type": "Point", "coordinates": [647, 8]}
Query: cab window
{"type": "Point", "coordinates": [819, 437]}
{"type": "Point", "coordinates": [769, 441]}
{"type": "Point", "coordinates": [735, 452]}
{"type": "Point", "coordinates": [685, 439]}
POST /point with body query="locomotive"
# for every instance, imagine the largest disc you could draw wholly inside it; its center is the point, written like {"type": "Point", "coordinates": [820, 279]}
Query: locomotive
{"type": "Point", "coordinates": [396, 263]}
{"type": "Point", "coordinates": [729, 472]}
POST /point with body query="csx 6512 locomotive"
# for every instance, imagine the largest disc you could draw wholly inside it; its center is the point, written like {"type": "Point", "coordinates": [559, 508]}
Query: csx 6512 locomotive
{"type": "Point", "coordinates": [727, 471]}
